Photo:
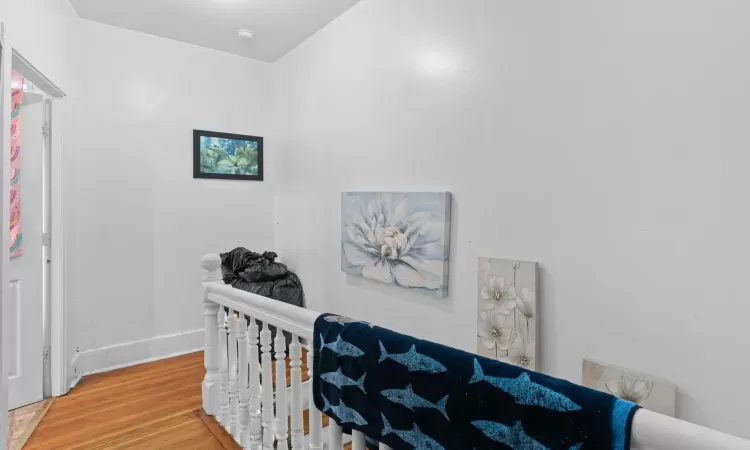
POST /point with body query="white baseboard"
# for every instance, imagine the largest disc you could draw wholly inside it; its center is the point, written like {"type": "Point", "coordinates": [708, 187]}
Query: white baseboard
{"type": "Point", "coordinates": [73, 375]}
{"type": "Point", "coordinates": [75, 381]}
{"type": "Point", "coordinates": [129, 354]}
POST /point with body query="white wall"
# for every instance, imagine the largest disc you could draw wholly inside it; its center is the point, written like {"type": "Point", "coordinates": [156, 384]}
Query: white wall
{"type": "Point", "coordinates": [138, 222]}
{"type": "Point", "coordinates": [42, 31]}
{"type": "Point", "coordinates": [606, 140]}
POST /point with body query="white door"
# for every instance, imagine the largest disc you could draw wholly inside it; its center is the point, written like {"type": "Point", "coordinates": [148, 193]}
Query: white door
{"type": "Point", "coordinates": [24, 304]}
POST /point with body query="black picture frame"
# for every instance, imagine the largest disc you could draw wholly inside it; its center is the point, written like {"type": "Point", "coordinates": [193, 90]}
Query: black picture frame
{"type": "Point", "coordinates": [197, 173]}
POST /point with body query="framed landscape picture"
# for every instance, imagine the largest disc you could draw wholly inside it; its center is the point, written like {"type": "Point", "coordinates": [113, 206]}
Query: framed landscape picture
{"type": "Point", "coordinates": [227, 156]}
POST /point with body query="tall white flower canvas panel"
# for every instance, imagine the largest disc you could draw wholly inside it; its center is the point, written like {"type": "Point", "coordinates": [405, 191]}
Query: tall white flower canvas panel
{"type": "Point", "coordinates": [507, 311]}
{"type": "Point", "coordinates": [399, 238]}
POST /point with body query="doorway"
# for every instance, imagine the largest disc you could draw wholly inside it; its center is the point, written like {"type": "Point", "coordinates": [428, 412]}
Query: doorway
{"type": "Point", "coordinates": [33, 314]}
{"type": "Point", "coordinates": [27, 275]}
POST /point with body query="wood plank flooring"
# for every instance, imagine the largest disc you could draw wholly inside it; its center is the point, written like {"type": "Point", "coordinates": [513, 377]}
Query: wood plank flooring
{"type": "Point", "coordinates": [151, 406]}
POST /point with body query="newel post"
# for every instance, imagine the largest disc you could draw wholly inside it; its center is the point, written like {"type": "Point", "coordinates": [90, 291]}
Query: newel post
{"type": "Point", "coordinates": [210, 388]}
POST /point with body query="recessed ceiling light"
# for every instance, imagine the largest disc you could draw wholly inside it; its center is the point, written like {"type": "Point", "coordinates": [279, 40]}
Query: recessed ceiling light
{"type": "Point", "coordinates": [245, 33]}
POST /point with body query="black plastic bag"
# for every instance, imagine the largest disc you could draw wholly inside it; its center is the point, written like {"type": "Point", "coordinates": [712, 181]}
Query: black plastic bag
{"type": "Point", "coordinates": [262, 275]}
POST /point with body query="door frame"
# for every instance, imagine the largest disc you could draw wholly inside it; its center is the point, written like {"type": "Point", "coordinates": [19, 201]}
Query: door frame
{"type": "Point", "coordinates": [5, 88]}
{"type": "Point", "coordinates": [56, 328]}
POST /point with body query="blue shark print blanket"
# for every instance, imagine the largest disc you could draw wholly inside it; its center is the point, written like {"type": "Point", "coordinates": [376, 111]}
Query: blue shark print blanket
{"type": "Point", "coordinates": [414, 394]}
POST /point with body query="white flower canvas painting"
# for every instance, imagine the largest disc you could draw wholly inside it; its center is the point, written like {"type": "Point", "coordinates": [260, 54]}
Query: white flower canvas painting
{"type": "Point", "coordinates": [647, 391]}
{"type": "Point", "coordinates": [399, 238]}
{"type": "Point", "coordinates": [507, 311]}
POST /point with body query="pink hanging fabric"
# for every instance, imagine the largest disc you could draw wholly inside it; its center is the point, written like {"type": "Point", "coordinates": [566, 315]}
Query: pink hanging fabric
{"type": "Point", "coordinates": [16, 237]}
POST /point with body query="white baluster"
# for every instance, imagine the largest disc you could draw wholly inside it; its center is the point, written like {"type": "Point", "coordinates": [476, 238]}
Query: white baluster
{"type": "Point", "coordinates": [313, 415]}
{"type": "Point", "coordinates": [267, 388]}
{"type": "Point", "coordinates": [210, 386]}
{"type": "Point", "coordinates": [233, 397]}
{"type": "Point", "coordinates": [282, 418]}
{"type": "Point", "coordinates": [335, 436]}
{"type": "Point", "coordinates": [255, 419]}
{"type": "Point", "coordinates": [223, 369]}
{"type": "Point", "coordinates": [243, 430]}
{"type": "Point", "coordinates": [358, 440]}
{"type": "Point", "coordinates": [298, 432]}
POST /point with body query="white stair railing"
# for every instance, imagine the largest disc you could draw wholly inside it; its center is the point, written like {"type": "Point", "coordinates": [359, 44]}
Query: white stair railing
{"type": "Point", "coordinates": [239, 388]}
{"type": "Point", "coordinates": [240, 392]}
{"type": "Point", "coordinates": [243, 430]}
{"type": "Point", "coordinates": [223, 370]}
{"type": "Point", "coordinates": [295, 355]}
{"type": "Point", "coordinates": [267, 397]}
{"type": "Point", "coordinates": [256, 430]}
{"type": "Point", "coordinates": [315, 421]}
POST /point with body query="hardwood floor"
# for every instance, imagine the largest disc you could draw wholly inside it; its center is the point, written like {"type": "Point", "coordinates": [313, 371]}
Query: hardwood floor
{"type": "Point", "coordinates": [151, 406]}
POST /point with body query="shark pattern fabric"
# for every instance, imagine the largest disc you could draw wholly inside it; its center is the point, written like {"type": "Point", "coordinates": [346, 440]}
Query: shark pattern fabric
{"type": "Point", "coordinates": [414, 394]}
{"type": "Point", "coordinates": [341, 347]}
{"type": "Point", "coordinates": [412, 360]}
{"type": "Point", "coordinates": [343, 413]}
{"type": "Point", "coordinates": [525, 391]}
{"type": "Point", "coordinates": [411, 400]}
{"type": "Point", "coordinates": [340, 380]}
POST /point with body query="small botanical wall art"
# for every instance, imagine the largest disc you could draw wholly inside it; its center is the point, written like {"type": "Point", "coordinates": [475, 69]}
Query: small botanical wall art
{"type": "Point", "coordinates": [507, 311]}
{"type": "Point", "coordinates": [399, 238]}
{"type": "Point", "coordinates": [649, 392]}
{"type": "Point", "coordinates": [227, 156]}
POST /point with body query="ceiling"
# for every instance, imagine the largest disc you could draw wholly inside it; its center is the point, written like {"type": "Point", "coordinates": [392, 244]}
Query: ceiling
{"type": "Point", "coordinates": [278, 25]}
